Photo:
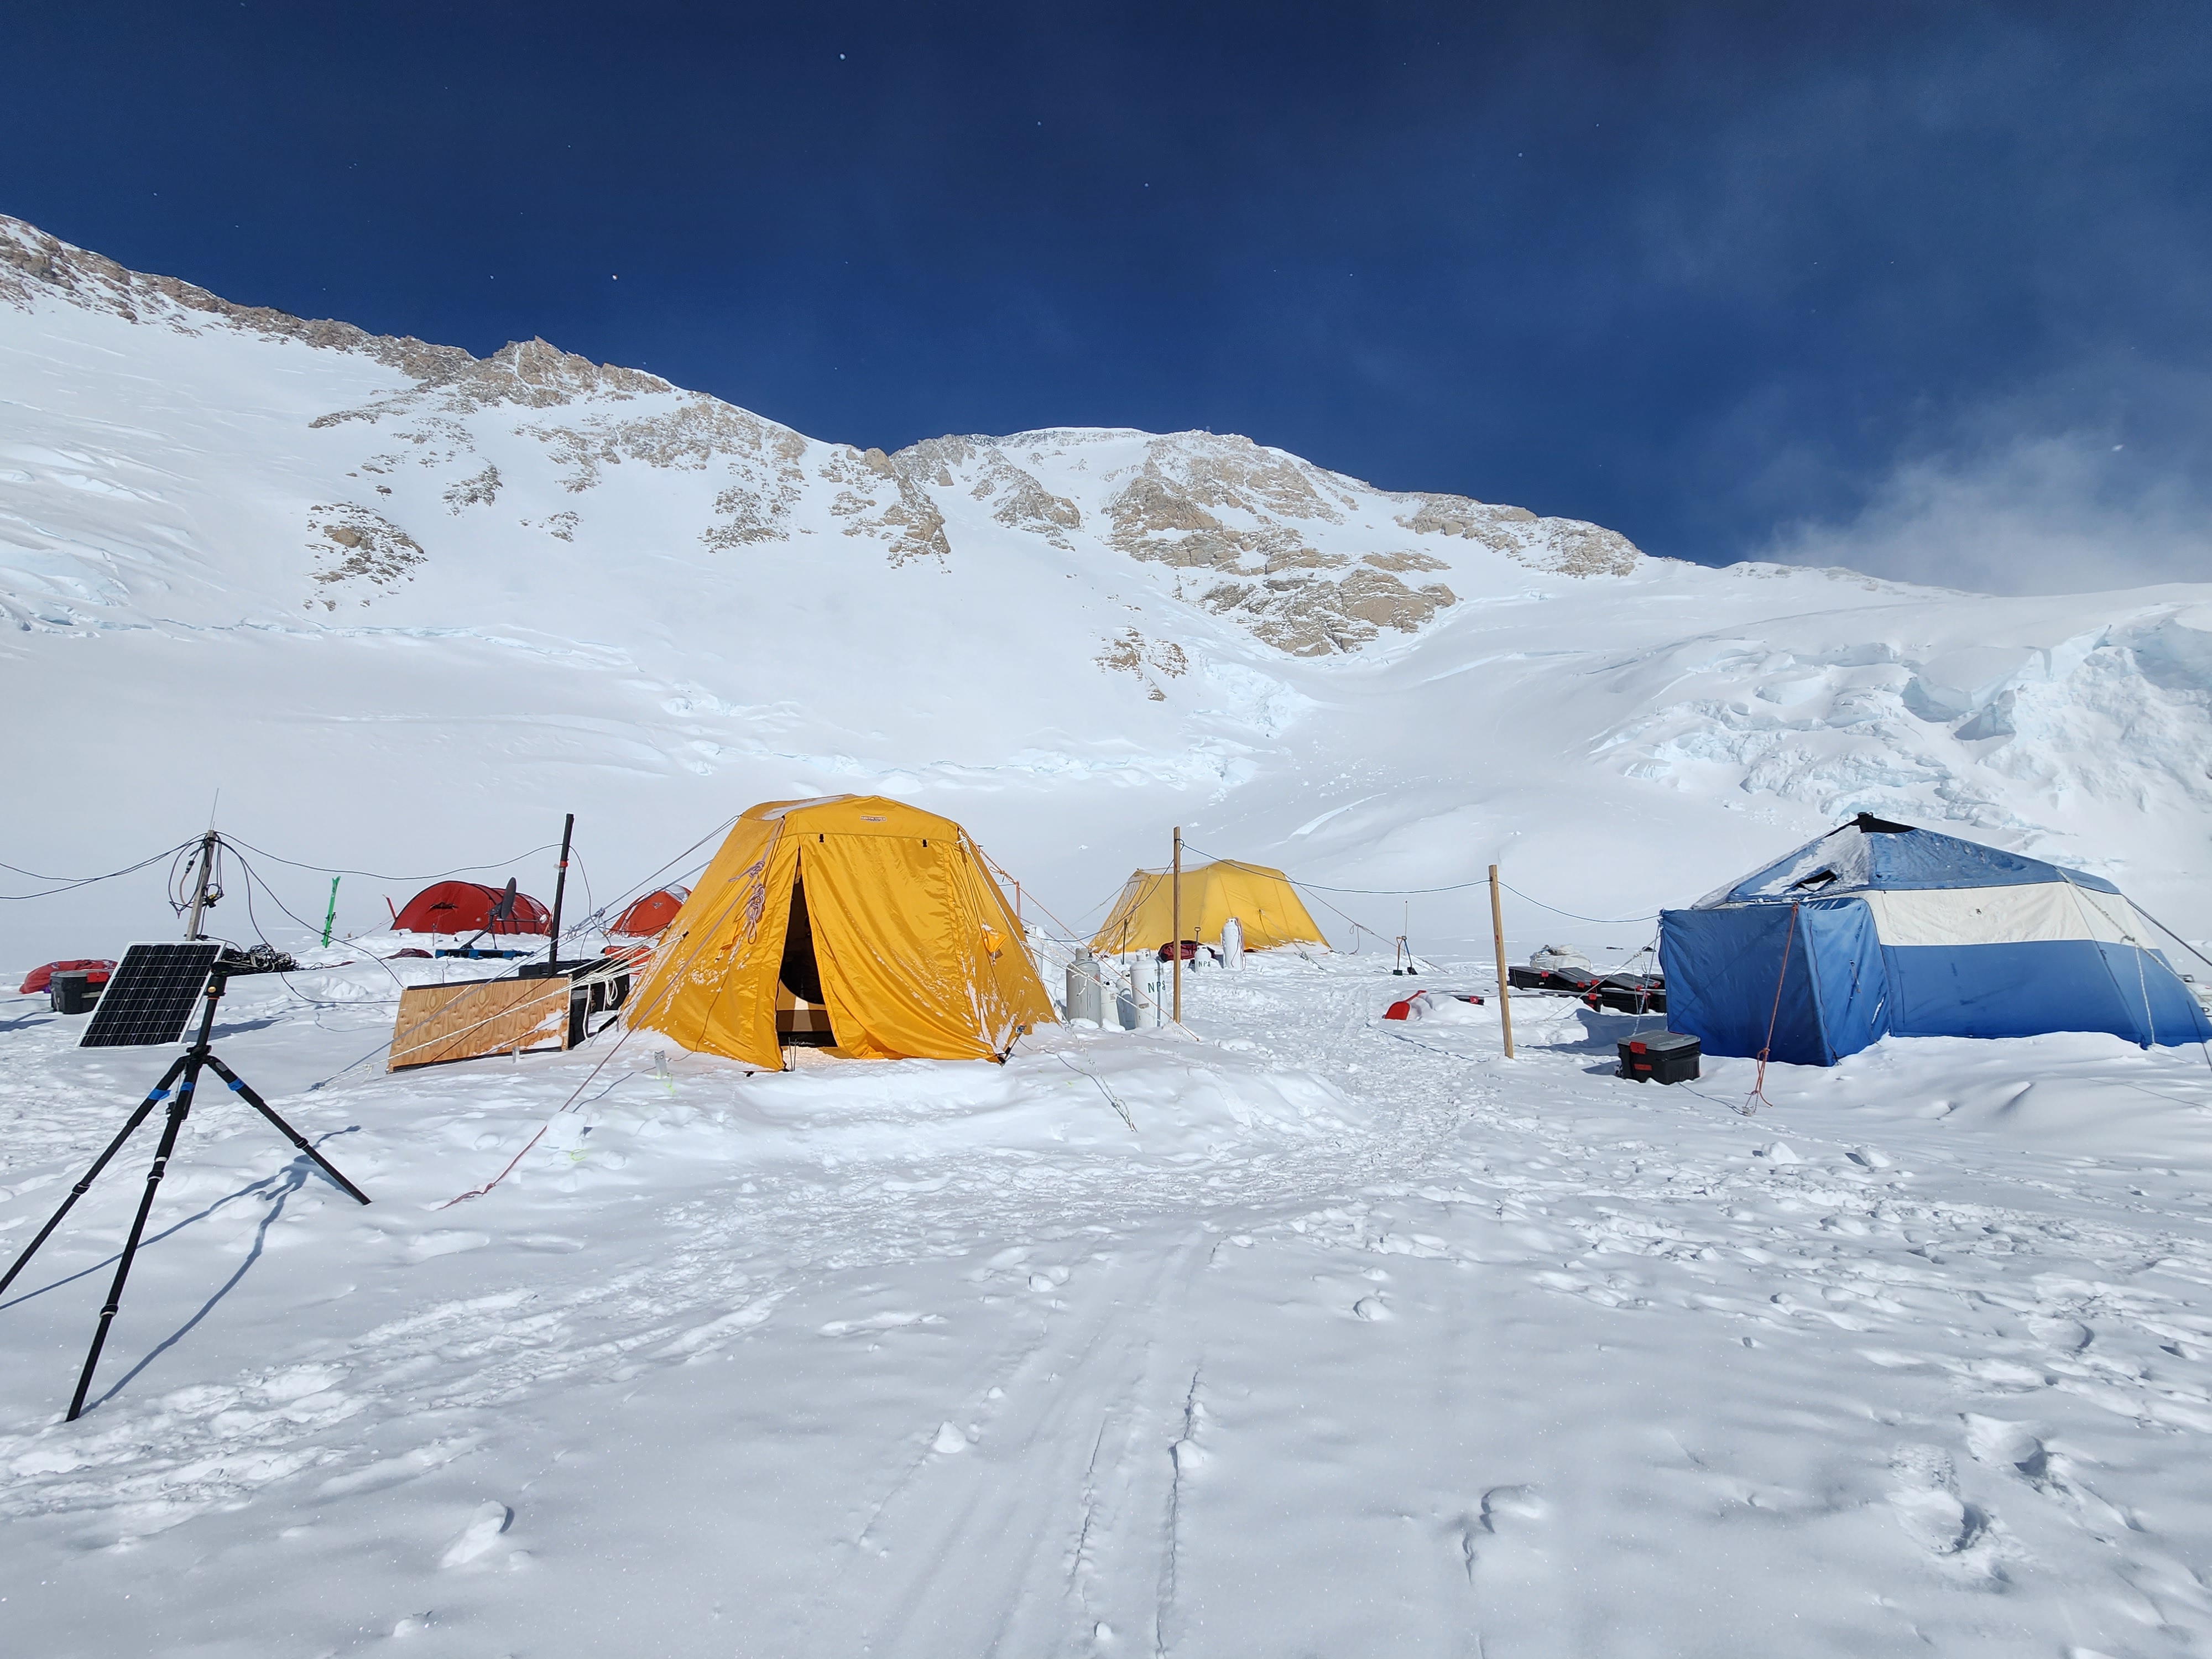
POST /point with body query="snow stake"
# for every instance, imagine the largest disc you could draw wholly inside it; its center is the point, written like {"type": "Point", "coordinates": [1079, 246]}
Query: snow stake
{"type": "Point", "coordinates": [1498, 937]}
{"type": "Point", "coordinates": [1177, 905]}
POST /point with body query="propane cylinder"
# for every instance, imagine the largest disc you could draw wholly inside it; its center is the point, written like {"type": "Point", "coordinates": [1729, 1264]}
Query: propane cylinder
{"type": "Point", "coordinates": [1085, 995]}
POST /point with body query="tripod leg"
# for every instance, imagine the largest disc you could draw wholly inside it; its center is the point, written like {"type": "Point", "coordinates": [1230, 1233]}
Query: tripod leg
{"type": "Point", "coordinates": [178, 1109]}
{"type": "Point", "coordinates": [160, 1089]}
{"type": "Point", "coordinates": [240, 1086]}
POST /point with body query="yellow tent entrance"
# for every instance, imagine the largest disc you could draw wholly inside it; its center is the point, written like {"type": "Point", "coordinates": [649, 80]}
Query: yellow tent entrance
{"type": "Point", "coordinates": [1262, 901]}
{"type": "Point", "coordinates": [901, 938]}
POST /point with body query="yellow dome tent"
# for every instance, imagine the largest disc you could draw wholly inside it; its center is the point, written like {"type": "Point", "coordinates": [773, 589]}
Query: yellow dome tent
{"type": "Point", "coordinates": [869, 911]}
{"type": "Point", "coordinates": [1261, 900]}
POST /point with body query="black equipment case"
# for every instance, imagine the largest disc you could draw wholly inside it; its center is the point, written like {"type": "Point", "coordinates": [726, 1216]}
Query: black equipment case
{"type": "Point", "coordinates": [1661, 1057]}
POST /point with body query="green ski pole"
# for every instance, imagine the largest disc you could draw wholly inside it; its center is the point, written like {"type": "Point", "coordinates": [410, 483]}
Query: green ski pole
{"type": "Point", "coordinates": [330, 916]}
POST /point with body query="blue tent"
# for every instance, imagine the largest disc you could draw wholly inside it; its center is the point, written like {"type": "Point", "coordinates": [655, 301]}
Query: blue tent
{"type": "Point", "coordinates": [1877, 927]}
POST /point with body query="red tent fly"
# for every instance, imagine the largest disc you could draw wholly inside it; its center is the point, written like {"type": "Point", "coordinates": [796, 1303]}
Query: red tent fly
{"type": "Point", "coordinates": [650, 913]}
{"type": "Point", "coordinates": [465, 907]}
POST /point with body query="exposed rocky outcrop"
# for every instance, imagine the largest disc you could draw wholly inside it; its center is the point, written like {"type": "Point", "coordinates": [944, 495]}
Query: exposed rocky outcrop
{"type": "Point", "coordinates": [1130, 652]}
{"type": "Point", "coordinates": [1568, 546]}
{"type": "Point", "coordinates": [1306, 560]}
{"type": "Point", "coordinates": [32, 262]}
{"type": "Point", "coordinates": [365, 553]}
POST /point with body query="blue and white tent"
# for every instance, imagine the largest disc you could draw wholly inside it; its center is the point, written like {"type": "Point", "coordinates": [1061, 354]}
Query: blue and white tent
{"type": "Point", "coordinates": [1878, 928]}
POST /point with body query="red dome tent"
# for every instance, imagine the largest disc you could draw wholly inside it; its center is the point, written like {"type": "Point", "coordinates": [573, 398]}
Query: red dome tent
{"type": "Point", "coordinates": [650, 913]}
{"type": "Point", "coordinates": [465, 907]}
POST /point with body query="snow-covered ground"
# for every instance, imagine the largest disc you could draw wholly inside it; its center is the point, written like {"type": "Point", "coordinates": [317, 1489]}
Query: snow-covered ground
{"type": "Point", "coordinates": [1305, 1335]}
{"type": "Point", "coordinates": [1362, 1341]}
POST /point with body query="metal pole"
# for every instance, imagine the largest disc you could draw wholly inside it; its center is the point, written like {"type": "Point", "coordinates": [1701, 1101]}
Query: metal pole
{"type": "Point", "coordinates": [560, 887]}
{"type": "Point", "coordinates": [245, 1091]}
{"type": "Point", "coordinates": [199, 894]}
{"type": "Point", "coordinates": [1176, 910]}
{"type": "Point", "coordinates": [179, 1104]}
{"type": "Point", "coordinates": [330, 916]}
{"type": "Point", "coordinates": [160, 1092]}
{"type": "Point", "coordinates": [1498, 937]}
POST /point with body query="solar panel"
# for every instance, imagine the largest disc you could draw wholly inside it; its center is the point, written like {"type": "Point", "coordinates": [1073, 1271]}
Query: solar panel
{"type": "Point", "coordinates": [151, 994]}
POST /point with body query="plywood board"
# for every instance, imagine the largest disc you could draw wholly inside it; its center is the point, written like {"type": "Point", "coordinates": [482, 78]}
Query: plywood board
{"type": "Point", "coordinates": [495, 1017]}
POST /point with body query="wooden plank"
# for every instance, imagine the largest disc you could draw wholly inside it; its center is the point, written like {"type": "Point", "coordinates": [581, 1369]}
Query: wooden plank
{"type": "Point", "coordinates": [495, 1016]}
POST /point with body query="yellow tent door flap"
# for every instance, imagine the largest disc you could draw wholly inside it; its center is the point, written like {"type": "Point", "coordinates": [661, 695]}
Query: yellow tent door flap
{"type": "Point", "coordinates": [880, 913]}
{"type": "Point", "coordinates": [1262, 901]}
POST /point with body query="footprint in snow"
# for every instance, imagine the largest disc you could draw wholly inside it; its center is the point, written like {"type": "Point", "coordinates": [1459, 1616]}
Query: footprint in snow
{"type": "Point", "coordinates": [1511, 1504]}
{"type": "Point", "coordinates": [482, 1531]}
{"type": "Point", "coordinates": [2012, 1447]}
{"type": "Point", "coordinates": [1928, 1505]}
{"type": "Point", "coordinates": [425, 1246]}
{"type": "Point", "coordinates": [882, 1322]}
{"type": "Point", "coordinates": [1505, 1513]}
{"type": "Point", "coordinates": [2069, 1335]}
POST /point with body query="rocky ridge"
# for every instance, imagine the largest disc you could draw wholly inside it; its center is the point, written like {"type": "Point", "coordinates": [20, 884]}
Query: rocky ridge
{"type": "Point", "coordinates": [1306, 562]}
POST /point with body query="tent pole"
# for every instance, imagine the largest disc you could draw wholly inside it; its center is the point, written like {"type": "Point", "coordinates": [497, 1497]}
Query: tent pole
{"type": "Point", "coordinates": [1176, 910]}
{"type": "Point", "coordinates": [560, 887]}
{"type": "Point", "coordinates": [1497, 937]}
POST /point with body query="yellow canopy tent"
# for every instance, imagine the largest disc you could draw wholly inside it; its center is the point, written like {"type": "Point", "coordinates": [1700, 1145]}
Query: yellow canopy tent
{"type": "Point", "coordinates": [1261, 900]}
{"type": "Point", "coordinates": [876, 913]}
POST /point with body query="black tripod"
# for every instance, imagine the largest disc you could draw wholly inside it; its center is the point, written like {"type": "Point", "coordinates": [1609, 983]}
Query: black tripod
{"type": "Point", "coordinates": [186, 1065]}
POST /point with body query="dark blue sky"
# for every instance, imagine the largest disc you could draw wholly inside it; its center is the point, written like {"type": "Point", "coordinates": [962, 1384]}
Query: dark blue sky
{"type": "Point", "coordinates": [1701, 273]}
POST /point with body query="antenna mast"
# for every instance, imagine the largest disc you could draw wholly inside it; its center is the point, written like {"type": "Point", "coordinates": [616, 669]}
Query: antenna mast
{"type": "Point", "coordinates": [208, 842]}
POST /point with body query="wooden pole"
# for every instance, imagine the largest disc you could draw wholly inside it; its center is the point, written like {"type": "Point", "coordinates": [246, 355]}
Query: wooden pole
{"type": "Point", "coordinates": [1498, 937]}
{"type": "Point", "coordinates": [1175, 909]}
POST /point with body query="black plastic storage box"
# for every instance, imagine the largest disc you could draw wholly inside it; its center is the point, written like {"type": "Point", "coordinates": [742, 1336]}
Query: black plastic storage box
{"type": "Point", "coordinates": [1662, 1057]}
{"type": "Point", "coordinates": [1632, 994]}
{"type": "Point", "coordinates": [75, 991]}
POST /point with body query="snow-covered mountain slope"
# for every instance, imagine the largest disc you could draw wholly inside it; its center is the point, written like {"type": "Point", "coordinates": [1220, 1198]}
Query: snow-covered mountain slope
{"type": "Point", "coordinates": [403, 606]}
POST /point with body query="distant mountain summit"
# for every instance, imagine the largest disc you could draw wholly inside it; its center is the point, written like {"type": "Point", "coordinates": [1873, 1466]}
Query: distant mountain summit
{"type": "Point", "coordinates": [1310, 561]}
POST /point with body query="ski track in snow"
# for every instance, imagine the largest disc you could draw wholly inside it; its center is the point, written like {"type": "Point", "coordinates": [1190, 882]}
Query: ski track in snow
{"type": "Point", "coordinates": [1458, 1356]}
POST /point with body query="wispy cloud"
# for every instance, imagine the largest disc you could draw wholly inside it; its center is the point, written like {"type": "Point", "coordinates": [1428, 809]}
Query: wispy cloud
{"type": "Point", "coordinates": [2061, 512]}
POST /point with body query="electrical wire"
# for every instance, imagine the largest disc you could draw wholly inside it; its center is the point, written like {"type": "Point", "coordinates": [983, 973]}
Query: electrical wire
{"type": "Point", "coordinates": [69, 884]}
{"type": "Point", "coordinates": [380, 875]}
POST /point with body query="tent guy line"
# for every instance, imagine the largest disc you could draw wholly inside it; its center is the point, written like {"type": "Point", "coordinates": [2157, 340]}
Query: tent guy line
{"type": "Point", "coordinates": [1456, 887]}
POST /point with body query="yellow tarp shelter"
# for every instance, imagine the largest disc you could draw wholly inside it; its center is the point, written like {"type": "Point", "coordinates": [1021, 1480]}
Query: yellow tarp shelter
{"type": "Point", "coordinates": [874, 912]}
{"type": "Point", "coordinates": [1261, 900]}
